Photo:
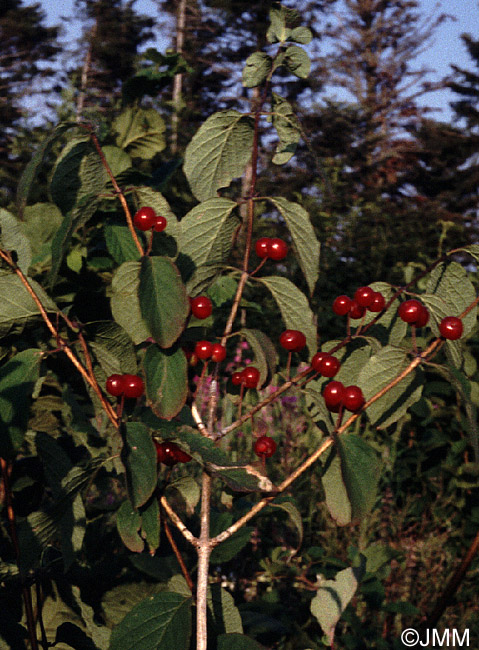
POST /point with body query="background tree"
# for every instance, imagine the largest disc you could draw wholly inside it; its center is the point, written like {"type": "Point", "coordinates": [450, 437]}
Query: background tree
{"type": "Point", "coordinates": [29, 48]}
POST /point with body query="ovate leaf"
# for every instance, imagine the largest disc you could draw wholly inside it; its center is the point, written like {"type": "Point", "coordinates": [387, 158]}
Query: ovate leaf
{"type": "Point", "coordinates": [161, 622]}
{"type": "Point", "coordinates": [125, 302]}
{"type": "Point", "coordinates": [164, 304]}
{"type": "Point", "coordinates": [256, 69]}
{"type": "Point", "coordinates": [140, 132]}
{"type": "Point", "coordinates": [207, 233]}
{"type": "Point", "coordinates": [337, 500]}
{"type": "Point", "coordinates": [218, 152]}
{"type": "Point", "coordinates": [17, 307]}
{"type": "Point", "coordinates": [331, 600]}
{"type": "Point", "coordinates": [120, 243]}
{"type": "Point", "coordinates": [265, 355]}
{"type": "Point", "coordinates": [128, 522]}
{"type": "Point", "coordinates": [166, 380]}
{"type": "Point", "coordinates": [297, 61]}
{"type": "Point", "coordinates": [294, 308]}
{"type": "Point", "coordinates": [13, 239]}
{"type": "Point", "coordinates": [303, 236]}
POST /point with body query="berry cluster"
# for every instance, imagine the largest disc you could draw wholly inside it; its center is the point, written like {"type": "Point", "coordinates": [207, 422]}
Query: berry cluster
{"type": "Point", "coordinates": [205, 350]}
{"type": "Point", "coordinates": [271, 247]}
{"type": "Point", "coordinates": [414, 313]}
{"type": "Point", "coordinates": [364, 299]}
{"type": "Point", "coordinates": [335, 395]}
{"type": "Point", "coordinates": [147, 219]}
{"type": "Point", "coordinates": [325, 364]}
{"type": "Point", "coordinates": [170, 454]}
{"type": "Point", "coordinates": [249, 377]}
{"type": "Point", "coordinates": [125, 385]}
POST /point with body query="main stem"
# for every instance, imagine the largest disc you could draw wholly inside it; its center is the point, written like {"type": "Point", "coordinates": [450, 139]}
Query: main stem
{"type": "Point", "coordinates": [204, 552]}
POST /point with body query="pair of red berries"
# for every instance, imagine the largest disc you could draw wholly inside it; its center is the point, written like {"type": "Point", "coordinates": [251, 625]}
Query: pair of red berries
{"type": "Point", "coordinates": [201, 307]}
{"type": "Point", "coordinates": [205, 350]}
{"type": "Point", "coordinates": [274, 248]}
{"type": "Point", "coordinates": [170, 454]}
{"type": "Point", "coordinates": [264, 447]}
{"type": "Point", "coordinates": [147, 219]}
{"type": "Point", "coordinates": [414, 313]}
{"type": "Point", "coordinates": [292, 340]}
{"type": "Point", "coordinates": [335, 395]}
{"type": "Point", "coordinates": [127, 385]}
{"type": "Point", "coordinates": [249, 377]}
{"type": "Point", "coordinates": [364, 298]}
{"type": "Point", "coordinates": [325, 364]}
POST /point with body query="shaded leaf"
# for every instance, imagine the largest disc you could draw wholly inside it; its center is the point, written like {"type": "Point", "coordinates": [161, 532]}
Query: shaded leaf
{"type": "Point", "coordinates": [160, 622]}
{"type": "Point", "coordinates": [13, 239]}
{"type": "Point", "coordinates": [139, 458]}
{"type": "Point", "coordinates": [331, 600]}
{"type": "Point", "coordinates": [166, 380]}
{"type": "Point", "coordinates": [288, 505]}
{"type": "Point", "coordinates": [337, 500]}
{"type": "Point", "coordinates": [120, 244]}
{"type": "Point", "coordinates": [287, 127]}
{"type": "Point", "coordinates": [150, 523]}
{"type": "Point", "coordinates": [125, 302]}
{"type": "Point", "coordinates": [17, 307]}
{"type": "Point", "coordinates": [41, 221]}
{"type": "Point", "coordinates": [297, 61]}
{"type": "Point", "coordinates": [235, 641]}
{"type": "Point", "coordinates": [128, 523]}
{"type": "Point", "coordinates": [224, 611]}
{"type": "Point", "coordinates": [218, 152]}
{"type": "Point", "coordinates": [112, 347]}
{"type": "Point", "coordinates": [140, 132]}
{"type": "Point", "coordinates": [265, 354]}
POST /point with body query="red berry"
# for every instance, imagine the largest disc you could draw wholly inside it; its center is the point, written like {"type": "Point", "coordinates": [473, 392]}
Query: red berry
{"type": "Point", "coordinates": [316, 360]}
{"type": "Point", "coordinates": [342, 305]}
{"type": "Point", "coordinates": [277, 249]}
{"type": "Point", "coordinates": [218, 353]}
{"type": "Point", "coordinates": [262, 247]}
{"type": "Point", "coordinates": [363, 296]}
{"type": "Point", "coordinates": [115, 385]}
{"type": "Point", "coordinates": [377, 303]}
{"type": "Point", "coordinates": [409, 311]}
{"type": "Point", "coordinates": [169, 453]}
{"type": "Point", "coordinates": [292, 340]}
{"type": "Point", "coordinates": [203, 350]}
{"type": "Point", "coordinates": [237, 378]}
{"type": "Point", "coordinates": [145, 218]}
{"type": "Point", "coordinates": [333, 395]}
{"type": "Point", "coordinates": [451, 328]}
{"type": "Point", "coordinates": [423, 318]}
{"type": "Point", "coordinates": [264, 447]}
{"type": "Point", "coordinates": [356, 311]}
{"type": "Point", "coordinates": [201, 307]}
{"type": "Point", "coordinates": [250, 376]}
{"type": "Point", "coordinates": [160, 224]}
{"type": "Point", "coordinates": [133, 386]}
{"type": "Point", "coordinates": [329, 366]}
{"type": "Point", "coordinates": [353, 398]}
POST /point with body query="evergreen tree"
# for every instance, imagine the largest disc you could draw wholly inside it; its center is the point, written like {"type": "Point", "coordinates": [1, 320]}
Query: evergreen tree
{"type": "Point", "coordinates": [28, 50]}
{"type": "Point", "coordinates": [467, 85]}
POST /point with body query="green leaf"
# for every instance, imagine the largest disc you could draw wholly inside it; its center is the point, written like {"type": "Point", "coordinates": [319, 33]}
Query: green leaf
{"type": "Point", "coordinates": [381, 369]}
{"type": "Point", "coordinates": [282, 20]}
{"type": "Point", "coordinates": [257, 68]}
{"type": "Point", "coordinates": [150, 523]}
{"type": "Point", "coordinates": [31, 171]}
{"type": "Point", "coordinates": [288, 505]}
{"type": "Point", "coordinates": [331, 600]}
{"type": "Point", "coordinates": [207, 233]}
{"type": "Point", "coordinates": [120, 600]}
{"type": "Point", "coordinates": [317, 409]}
{"type": "Point", "coordinates": [189, 490]}
{"type": "Point", "coordinates": [120, 243]}
{"type": "Point", "coordinates": [13, 239]}
{"type": "Point", "coordinates": [287, 127]}
{"type": "Point", "coordinates": [228, 549]}
{"type": "Point", "coordinates": [140, 132]}
{"type": "Point", "coordinates": [360, 469]}
{"type": "Point", "coordinates": [224, 611]}
{"type": "Point", "coordinates": [297, 61]}
{"type": "Point", "coordinates": [112, 347]}
{"type": "Point", "coordinates": [17, 307]}
{"type": "Point", "coordinates": [337, 500]}
{"type": "Point", "coordinates": [17, 380]}
{"type": "Point", "coordinates": [164, 304]}
{"type": "Point", "coordinates": [265, 355]}
{"type": "Point", "coordinates": [125, 302]}
{"type": "Point", "coordinates": [139, 458]}
{"type": "Point", "coordinates": [235, 641]}
{"type": "Point", "coordinates": [128, 522]}
{"type": "Point", "coordinates": [218, 152]}
{"type": "Point", "coordinates": [294, 308]}
{"type": "Point", "coordinates": [161, 622]}
{"type": "Point", "coordinates": [41, 221]}
{"type": "Point", "coordinates": [301, 35]}
{"type": "Point", "coordinates": [303, 236]}
{"type": "Point", "coordinates": [117, 159]}
{"type": "Point", "coordinates": [166, 373]}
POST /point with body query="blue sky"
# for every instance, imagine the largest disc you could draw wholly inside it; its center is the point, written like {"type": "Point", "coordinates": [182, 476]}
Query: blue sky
{"type": "Point", "coordinates": [446, 48]}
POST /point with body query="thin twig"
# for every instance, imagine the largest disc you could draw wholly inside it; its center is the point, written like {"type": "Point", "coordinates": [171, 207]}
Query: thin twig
{"type": "Point", "coordinates": [178, 555]}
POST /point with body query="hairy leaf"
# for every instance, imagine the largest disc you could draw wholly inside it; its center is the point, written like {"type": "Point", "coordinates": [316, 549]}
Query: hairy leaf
{"type": "Point", "coordinates": [166, 380]}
